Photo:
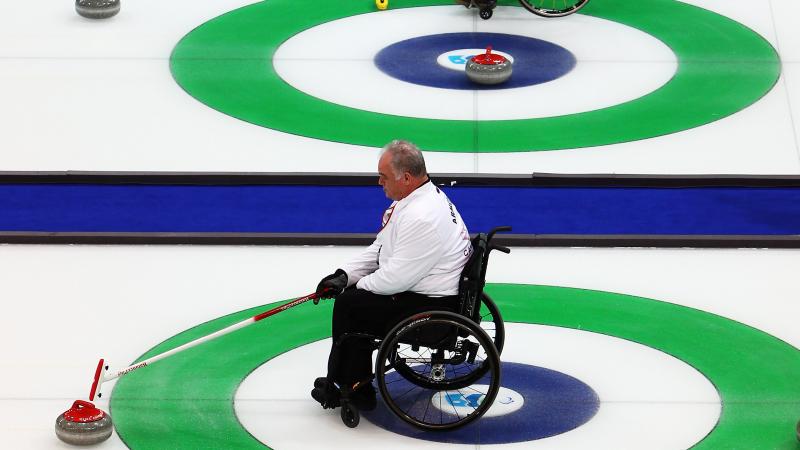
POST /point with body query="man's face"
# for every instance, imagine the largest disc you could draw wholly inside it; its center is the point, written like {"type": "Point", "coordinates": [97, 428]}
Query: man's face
{"type": "Point", "coordinates": [393, 188]}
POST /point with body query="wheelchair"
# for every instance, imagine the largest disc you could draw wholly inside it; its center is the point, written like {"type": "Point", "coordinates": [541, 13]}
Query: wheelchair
{"type": "Point", "coordinates": [440, 370]}
{"type": "Point", "coordinates": [543, 8]}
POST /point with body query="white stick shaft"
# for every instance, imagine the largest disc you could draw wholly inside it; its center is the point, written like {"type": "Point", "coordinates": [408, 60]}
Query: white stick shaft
{"type": "Point", "coordinates": [146, 362]}
{"type": "Point", "coordinates": [101, 375]}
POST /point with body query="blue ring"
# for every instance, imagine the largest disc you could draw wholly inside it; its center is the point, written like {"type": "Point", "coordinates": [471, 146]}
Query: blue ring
{"type": "Point", "coordinates": [554, 403]}
{"type": "Point", "coordinates": [414, 60]}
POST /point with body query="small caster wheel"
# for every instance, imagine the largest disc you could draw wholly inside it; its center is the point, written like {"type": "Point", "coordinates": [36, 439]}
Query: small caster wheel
{"type": "Point", "coordinates": [485, 14]}
{"type": "Point", "coordinates": [350, 415]}
{"type": "Point", "coordinates": [382, 4]}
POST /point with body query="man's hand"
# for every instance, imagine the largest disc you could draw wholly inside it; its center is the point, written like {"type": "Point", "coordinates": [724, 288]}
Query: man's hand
{"type": "Point", "coordinates": [332, 285]}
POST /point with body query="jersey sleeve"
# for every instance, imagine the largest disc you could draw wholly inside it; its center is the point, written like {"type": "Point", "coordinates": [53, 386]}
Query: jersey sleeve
{"type": "Point", "coordinates": [363, 264]}
{"type": "Point", "coordinates": [417, 250]}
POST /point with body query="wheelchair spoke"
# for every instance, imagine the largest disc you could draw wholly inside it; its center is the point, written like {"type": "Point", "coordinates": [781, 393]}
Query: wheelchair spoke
{"type": "Point", "coordinates": [406, 392]}
{"type": "Point", "coordinates": [454, 369]}
{"type": "Point", "coordinates": [473, 407]}
{"type": "Point", "coordinates": [427, 373]}
{"type": "Point", "coordinates": [425, 414]}
{"type": "Point", "coordinates": [473, 389]}
{"type": "Point", "coordinates": [395, 381]}
{"type": "Point", "coordinates": [441, 411]}
{"type": "Point", "coordinates": [415, 402]}
{"type": "Point", "coordinates": [418, 355]}
{"type": "Point", "coordinates": [455, 410]}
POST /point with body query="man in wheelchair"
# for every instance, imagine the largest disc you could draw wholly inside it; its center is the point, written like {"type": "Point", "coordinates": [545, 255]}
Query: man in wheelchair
{"type": "Point", "coordinates": [413, 266]}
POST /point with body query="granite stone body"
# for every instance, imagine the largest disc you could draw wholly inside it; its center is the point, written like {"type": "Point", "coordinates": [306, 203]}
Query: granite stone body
{"type": "Point", "coordinates": [97, 9]}
{"type": "Point", "coordinates": [488, 73]}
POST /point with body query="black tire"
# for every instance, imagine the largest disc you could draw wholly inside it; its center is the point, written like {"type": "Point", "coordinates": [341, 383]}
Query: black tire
{"type": "Point", "coordinates": [485, 14]}
{"type": "Point", "coordinates": [492, 322]}
{"type": "Point", "coordinates": [553, 8]}
{"type": "Point", "coordinates": [411, 382]}
{"type": "Point", "coordinates": [350, 415]}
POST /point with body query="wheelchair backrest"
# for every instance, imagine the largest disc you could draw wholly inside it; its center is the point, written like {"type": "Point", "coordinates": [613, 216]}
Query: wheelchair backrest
{"type": "Point", "coordinates": [473, 275]}
{"type": "Point", "coordinates": [473, 278]}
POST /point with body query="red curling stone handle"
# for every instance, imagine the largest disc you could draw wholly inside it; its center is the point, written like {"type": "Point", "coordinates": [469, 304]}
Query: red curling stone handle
{"type": "Point", "coordinates": [489, 58]}
{"type": "Point", "coordinates": [83, 411]}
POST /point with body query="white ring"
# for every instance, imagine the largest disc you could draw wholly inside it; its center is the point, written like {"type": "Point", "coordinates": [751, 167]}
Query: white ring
{"type": "Point", "coordinates": [334, 62]}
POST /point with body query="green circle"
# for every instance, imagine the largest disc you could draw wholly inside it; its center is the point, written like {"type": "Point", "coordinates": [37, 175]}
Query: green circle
{"type": "Point", "coordinates": [186, 401]}
{"type": "Point", "coordinates": [724, 67]}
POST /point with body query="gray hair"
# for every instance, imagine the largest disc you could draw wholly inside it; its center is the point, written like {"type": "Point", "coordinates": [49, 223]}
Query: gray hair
{"type": "Point", "coordinates": [406, 157]}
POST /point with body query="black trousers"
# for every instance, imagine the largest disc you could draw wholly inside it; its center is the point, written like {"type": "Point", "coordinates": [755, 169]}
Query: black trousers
{"type": "Point", "coordinates": [360, 311]}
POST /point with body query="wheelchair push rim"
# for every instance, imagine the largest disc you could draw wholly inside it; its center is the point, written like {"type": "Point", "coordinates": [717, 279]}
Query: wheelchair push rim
{"type": "Point", "coordinates": [432, 405]}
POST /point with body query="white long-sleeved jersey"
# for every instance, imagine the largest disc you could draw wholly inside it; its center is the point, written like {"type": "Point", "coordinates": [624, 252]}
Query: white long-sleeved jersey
{"type": "Point", "coordinates": [421, 247]}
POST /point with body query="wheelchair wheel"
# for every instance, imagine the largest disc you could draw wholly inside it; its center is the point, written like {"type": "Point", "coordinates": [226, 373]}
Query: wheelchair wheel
{"type": "Point", "coordinates": [438, 371]}
{"type": "Point", "coordinates": [485, 14]}
{"type": "Point", "coordinates": [492, 322]}
{"type": "Point", "coordinates": [553, 8]}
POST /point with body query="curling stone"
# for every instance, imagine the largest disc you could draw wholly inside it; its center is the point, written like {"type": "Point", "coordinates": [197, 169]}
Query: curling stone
{"type": "Point", "coordinates": [382, 4]}
{"type": "Point", "coordinates": [97, 9]}
{"type": "Point", "coordinates": [83, 424]}
{"type": "Point", "coordinates": [488, 68]}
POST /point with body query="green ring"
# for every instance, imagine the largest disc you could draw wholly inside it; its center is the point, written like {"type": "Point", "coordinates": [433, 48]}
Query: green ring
{"type": "Point", "coordinates": [186, 401]}
{"type": "Point", "coordinates": [723, 68]}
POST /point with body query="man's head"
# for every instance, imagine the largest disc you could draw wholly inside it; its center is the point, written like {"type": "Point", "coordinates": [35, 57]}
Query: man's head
{"type": "Point", "coordinates": [401, 169]}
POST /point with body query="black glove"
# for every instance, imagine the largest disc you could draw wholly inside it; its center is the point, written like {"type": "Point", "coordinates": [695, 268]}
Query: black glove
{"type": "Point", "coordinates": [332, 285]}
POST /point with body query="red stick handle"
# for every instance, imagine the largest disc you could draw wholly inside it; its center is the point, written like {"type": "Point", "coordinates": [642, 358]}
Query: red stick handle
{"type": "Point", "coordinates": [93, 390]}
{"type": "Point", "coordinates": [285, 306]}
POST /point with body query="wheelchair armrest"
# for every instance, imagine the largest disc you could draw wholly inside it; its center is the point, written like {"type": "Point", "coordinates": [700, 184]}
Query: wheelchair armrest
{"type": "Point", "coordinates": [501, 248]}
